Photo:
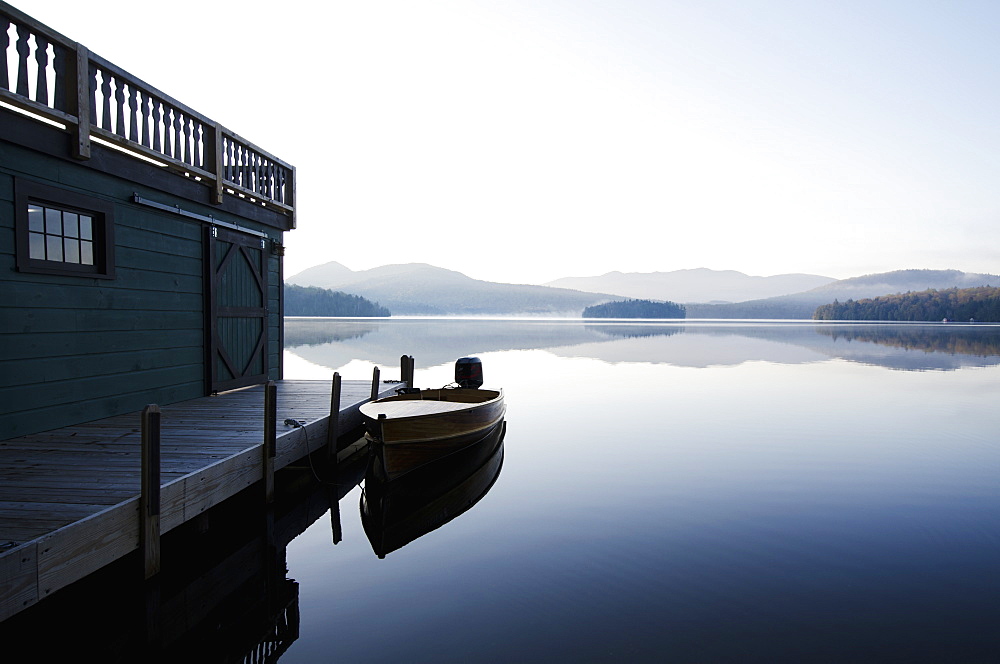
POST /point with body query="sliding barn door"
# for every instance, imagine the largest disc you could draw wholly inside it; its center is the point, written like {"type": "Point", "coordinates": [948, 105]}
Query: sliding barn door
{"type": "Point", "coordinates": [237, 310]}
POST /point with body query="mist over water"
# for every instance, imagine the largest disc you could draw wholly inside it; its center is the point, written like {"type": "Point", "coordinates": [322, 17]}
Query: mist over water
{"type": "Point", "coordinates": [688, 491]}
{"type": "Point", "coordinates": [437, 342]}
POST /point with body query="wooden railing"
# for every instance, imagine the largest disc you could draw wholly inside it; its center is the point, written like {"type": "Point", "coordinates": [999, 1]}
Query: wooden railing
{"type": "Point", "coordinates": [50, 76]}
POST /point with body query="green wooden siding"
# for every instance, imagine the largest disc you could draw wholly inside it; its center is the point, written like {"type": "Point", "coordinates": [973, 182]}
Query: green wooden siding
{"type": "Point", "coordinates": [75, 349]}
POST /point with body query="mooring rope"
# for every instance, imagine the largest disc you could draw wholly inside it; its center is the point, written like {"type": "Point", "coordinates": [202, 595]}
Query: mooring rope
{"type": "Point", "coordinates": [299, 424]}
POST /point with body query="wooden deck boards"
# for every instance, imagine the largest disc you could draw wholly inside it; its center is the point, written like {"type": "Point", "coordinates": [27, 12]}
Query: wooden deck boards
{"type": "Point", "coordinates": [69, 497]}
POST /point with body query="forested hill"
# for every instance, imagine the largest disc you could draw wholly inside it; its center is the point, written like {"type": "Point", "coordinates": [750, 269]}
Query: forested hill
{"type": "Point", "coordinates": [312, 301]}
{"type": "Point", "coordinates": [420, 289]}
{"type": "Point", "coordinates": [803, 305]}
{"type": "Point", "coordinates": [635, 309]}
{"type": "Point", "coordinates": [961, 304]}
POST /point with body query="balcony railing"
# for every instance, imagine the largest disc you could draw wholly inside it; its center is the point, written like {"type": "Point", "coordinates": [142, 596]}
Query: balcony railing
{"type": "Point", "coordinates": [59, 80]}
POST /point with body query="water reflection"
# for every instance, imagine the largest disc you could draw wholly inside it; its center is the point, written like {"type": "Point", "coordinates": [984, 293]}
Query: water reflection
{"type": "Point", "coordinates": [912, 347]}
{"type": "Point", "coordinates": [628, 331]}
{"type": "Point", "coordinates": [982, 341]}
{"type": "Point", "coordinates": [316, 331]}
{"type": "Point", "coordinates": [787, 503]}
{"type": "Point", "coordinates": [396, 512]}
{"type": "Point", "coordinates": [223, 594]}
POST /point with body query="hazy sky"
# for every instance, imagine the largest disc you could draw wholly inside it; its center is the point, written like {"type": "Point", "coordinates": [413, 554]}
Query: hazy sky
{"type": "Point", "coordinates": [522, 141]}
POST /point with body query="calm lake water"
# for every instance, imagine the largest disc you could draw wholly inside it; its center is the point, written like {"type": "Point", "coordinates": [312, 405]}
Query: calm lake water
{"type": "Point", "coordinates": [693, 491]}
{"type": "Point", "coordinates": [688, 492]}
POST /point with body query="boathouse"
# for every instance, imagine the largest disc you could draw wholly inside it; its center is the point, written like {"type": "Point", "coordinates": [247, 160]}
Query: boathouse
{"type": "Point", "coordinates": [142, 242]}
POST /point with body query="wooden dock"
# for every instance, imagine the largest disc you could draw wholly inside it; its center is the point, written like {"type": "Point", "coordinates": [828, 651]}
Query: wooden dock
{"type": "Point", "coordinates": [70, 498]}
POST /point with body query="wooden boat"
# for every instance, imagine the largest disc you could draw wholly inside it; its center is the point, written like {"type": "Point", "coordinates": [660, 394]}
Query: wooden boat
{"type": "Point", "coordinates": [394, 513]}
{"type": "Point", "coordinates": [416, 427]}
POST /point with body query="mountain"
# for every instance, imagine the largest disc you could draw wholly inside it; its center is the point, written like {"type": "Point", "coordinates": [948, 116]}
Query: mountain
{"type": "Point", "coordinates": [327, 273]}
{"type": "Point", "coordinates": [902, 281]}
{"type": "Point", "coordinates": [698, 285]}
{"type": "Point", "coordinates": [802, 305]}
{"type": "Point", "coordinates": [418, 288]}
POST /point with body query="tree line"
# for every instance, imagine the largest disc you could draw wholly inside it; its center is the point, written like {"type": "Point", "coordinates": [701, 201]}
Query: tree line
{"type": "Point", "coordinates": [959, 304]}
{"type": "Point", "coordinates": [313, 301]}
{"type": "Point", "coordinates": [636, 309]}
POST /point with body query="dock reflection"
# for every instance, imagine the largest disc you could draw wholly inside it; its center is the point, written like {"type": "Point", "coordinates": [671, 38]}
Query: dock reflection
{"type": "Point", "coordinates": [396, 512]}
{"type": "Point", "coordinates": [223, 594]}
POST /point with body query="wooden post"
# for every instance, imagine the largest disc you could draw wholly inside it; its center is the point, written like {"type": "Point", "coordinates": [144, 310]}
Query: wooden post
{"type": "Point", "coordinates": [270, 438]}
{"type": "Point", "coordinates": [270, 450]}
{"type": "Point", "coordinates": [333, 431]}
{"type": "Point", "coordinates": [332, 434]}
{"type": "Point", "coordinates": [289, 197]}
{"type": "Point", "coordinates": [81, 100]}
{"type": "Point", "coordinates": [375, 375]}
{"type": "Point", "coordinates": [213, 152]}
{"type": "Point", "coordinates": [406, 370]}
{"type": "Point", "coordinates": [149, 500]}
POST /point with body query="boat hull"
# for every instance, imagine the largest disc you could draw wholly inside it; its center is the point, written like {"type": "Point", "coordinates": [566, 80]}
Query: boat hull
{"type": "Point", "coordinates": [410, 431]}
{"type": "Point", "coordinates": [401, 457]}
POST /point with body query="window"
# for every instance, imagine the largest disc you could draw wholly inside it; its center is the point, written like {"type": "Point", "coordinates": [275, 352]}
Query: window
{"type": "Point", "coordinates": [60, 235]}
{"type": "Point", "coordinates": [62, 232]}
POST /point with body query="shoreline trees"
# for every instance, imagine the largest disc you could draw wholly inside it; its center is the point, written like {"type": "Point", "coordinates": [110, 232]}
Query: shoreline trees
{"type": "Point", "coordinates": [961, 304]}
{"type": "Point", "coordinates": [314, 301]}
{"type": "Point", "coordinates": [636, 309]}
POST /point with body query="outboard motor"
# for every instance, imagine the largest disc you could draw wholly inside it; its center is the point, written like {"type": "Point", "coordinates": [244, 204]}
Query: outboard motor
{"type": "Point", "coordinates": [469, 372]}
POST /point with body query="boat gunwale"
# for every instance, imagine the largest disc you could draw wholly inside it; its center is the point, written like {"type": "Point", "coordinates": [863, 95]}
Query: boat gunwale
{"type": "Point", "coordinates": [463, 406]}
{"type": "Point", "coordinates": [411, 396]}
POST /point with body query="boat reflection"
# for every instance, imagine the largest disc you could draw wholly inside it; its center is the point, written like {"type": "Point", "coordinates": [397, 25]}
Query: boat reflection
{"type": "Point", "coordinates": [396, 512]}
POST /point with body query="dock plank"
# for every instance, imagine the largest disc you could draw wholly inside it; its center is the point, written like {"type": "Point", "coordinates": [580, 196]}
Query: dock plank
{"type": "Point", "coordinates": [69, 498]}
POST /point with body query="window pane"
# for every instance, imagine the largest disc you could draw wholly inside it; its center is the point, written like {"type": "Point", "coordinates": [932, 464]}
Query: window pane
{"type": "Point", "coordinates": [71, 250]}
{"type": "Point", "coordinates": [36, 246]}
{"type": "Point", "coordinates": [71, 224]}
{"type": "Point", "coordinates": [65, 237]}
{"type": "Point", "coordinates": [53, 221]}
{"type": "Point", "coordinates": [36, 219]}
{"type": "Point", "coordinates": [53, 245]}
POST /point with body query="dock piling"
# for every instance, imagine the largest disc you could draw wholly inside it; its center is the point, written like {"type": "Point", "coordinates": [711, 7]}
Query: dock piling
{"type": "Point", "coordinates": [375, 377]}
{"type": "Point", "coordinates": [333, 431]}
{"type": "Point", "coordinates": [270, 438]}
{"type": "Point", "coordinates": [406, 370]}
{"type": "Point", "coordinates": [149, 501]}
